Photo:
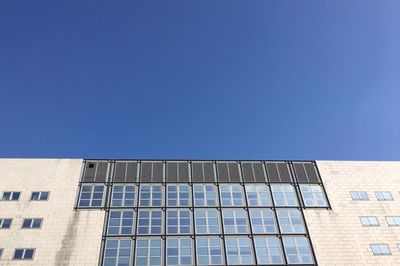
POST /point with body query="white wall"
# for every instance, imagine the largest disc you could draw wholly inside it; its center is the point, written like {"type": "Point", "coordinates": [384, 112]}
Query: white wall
{"type": "Point", "coordinates": [67, 237]}
{"type": "Point", "coordinates": [337, 235]}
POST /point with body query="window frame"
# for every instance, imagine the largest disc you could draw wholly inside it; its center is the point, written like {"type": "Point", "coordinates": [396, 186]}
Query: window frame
{"type": "Point", "coordinates": [231, 192]}
{"type": "Point", "coordinates": [2, 223]}
{"type": "Point", "coordinates": [313, 197]}
{"type": "Point", "coordinates": [290, 218]}
{"type": "Point", "coordinates": [257, 192]}
{"type": "Point", "coordinates": [207, 223]}
{"type": "Point", "coordinates": [209, 248]}
{"type": "Point", "coordinates": [265, 241]}
{"type": "Point", "coordinates": [359, 198]}
{"type": "Point", "coordinates": [379, 245]}
{"type": "Point", "coordinates": [149, 249]}
{"type": "Point", "coordinates": [92, 192]}
{"type": "Point", "coordinates": [151, 220]}
{"type": "Point", "coordinates": [205, 195]}
{"type": "Point", "coordinates": [151, 198]}
{"type": "Point", "coordinates": [11, 195]}
{"type": "Point", "coordinates": [180, 249]}
{"type": "Point", "coordinates": [382, 196]}
{"type": "Point", "coordinates": [178, 192]}
{"type": "Point", "coordinates": [369, 224]}
{"type": "Point", "coordinates": [24, 253]}
{"type": "Point", "coordinates": [395, 219]}
{"type": "Point", "coordinates": [282, 192]}
{"type": "Point", "coordinates": [39, 196]}
{"type": "Point", "coordinates": [263, 218]}
{"type": "Point", "coordinates": [179, 220]}
{"type": "Point", "coordinates": [118, 248]}
{"type": "Point", "coordinates": [120, 219]}
{"type": "Point", "coordinates": [297, 254]}
{"type": "Point", "coordinates": [235, 219]}
{"type": "Point", "coordinates": [238, 248]}
{"type": "Point", "coordinates": [124, 193]}
{"type": "Point", "coordinates": [32, 221]}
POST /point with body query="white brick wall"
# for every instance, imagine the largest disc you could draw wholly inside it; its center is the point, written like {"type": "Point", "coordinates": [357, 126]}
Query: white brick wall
{"type": "Point", "coordinates": [337, 235]}
{"type": "Point", "coordinates": [67, 237]}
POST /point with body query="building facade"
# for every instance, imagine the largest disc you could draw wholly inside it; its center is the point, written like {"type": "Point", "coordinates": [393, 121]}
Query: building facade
{"type": "Point", "coordinates": [142, 212]}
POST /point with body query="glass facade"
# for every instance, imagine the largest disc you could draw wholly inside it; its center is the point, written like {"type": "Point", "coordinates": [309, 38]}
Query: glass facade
{"type": "Point", "coordinates": [219, 215]}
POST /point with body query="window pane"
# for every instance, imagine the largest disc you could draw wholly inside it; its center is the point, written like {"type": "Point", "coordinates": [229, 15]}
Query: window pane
{"type": "Point", "coordinates": [123, 196]}
{"type": "Point", "coordinates": [231, 195]}
{"type": "Point", "coordinates": [380, 249]}
{"type": "Point", "coordinates": [150, 222]}
{"type": "Point", "coordinates": [207, 221]}
{"type": "Point", "coordinates": [91, 196]}
{"type": "Point", "coordinates": [290, 221]}
{"type": "Point", "coordinates": [148, 251]}
{"type": "Point", "coordinates": [151, 195]}
{"type": "Point", "coordinates": [235, 222]}
{"type": "Point", "coordinates": [268, 250]}
{"type": "Point", "coordinates": [205, 195]}
{"type": "Point", "coordinates": [297, 250]}
{"type": "Point", "coordinates": [359, 195]}
{"type": "Point", "coordinates": [178, 195]}
{"type": "Point", "coordinates": [263, 221]}
{"type": "Point", "coordinates": [369, 221]}
{"type": "Point", "coordinates": [118, 252]}
{"type": "Point", "coordinates": [383, 195]}
{"type": "Point", "coordinates": [239, 251]}
{"type": "Point", "coordinates": [121, 222]}
{"type": "Point", "coordinates": [209, 251]}
{"type": "Point", "coordinates": [393, 220]}
{"type": "Point", "coordinates": [179, 251]}
{"type": "Point", "coordinates": [284, 195]}
{"type": "Point", "coordinates": [178, 222]}
{"type": "Point", "coordinates": [258, 195]}
{"type": "Point", "coordinates": [313, 196]}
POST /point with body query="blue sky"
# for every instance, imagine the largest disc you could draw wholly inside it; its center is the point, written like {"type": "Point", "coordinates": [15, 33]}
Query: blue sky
{"type": "Point", "coordinates": [200, 79]}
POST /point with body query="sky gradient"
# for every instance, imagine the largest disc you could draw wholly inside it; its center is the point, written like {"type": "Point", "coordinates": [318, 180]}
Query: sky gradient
{"type": "Point", "coordinates": [200, 79]}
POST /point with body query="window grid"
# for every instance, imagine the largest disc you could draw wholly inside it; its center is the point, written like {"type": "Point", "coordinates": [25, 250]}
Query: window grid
{"type": "Point", "coordinates": [178, 195]}
{"type": "Point", "coordinates": [245, 203]}
{"type": "Point", "coordinates": [263, 221]}
{"type": "Point", "coordinates": [393, 220]}
{"type": "Point", "coordinates": [380, 249]}
{"type": "Point", "coordinates": [369, 221]}
{"type": "Point", "coordinates": [118, 252]}
{"type": "Point", "coordinates": [179, 251]}
{"type": "Point", "coordinates": [151, 195]}
{"type": "Point", "coordinates": [24, 253]}
{"type": "Point", "coordinates": [235, 222]}
{"type": "Point", "coordinates": [121, 222]}
{"type": "Point", "coordinates": [383, 195]}
{"type": "Point", "coordinates": [298, 250]}
{"type": "Point", "coordinates": [258, 195]}
{"type": "Point", "coordinates": [239, 251]}
{"type": "Point", "coordinates": [359, 195]}
{"type": "Point", "coordinates": [91, 195]}
{"type": "Point", "coordinates": [268, 250]}
{"type": "Point", "coordinates": [205, 195]}
{"type": "Point", "coordinates": [150, 222]}
{"type": "Point", "coordinates": [149, 252]}
{"type": "Point", "coordinates": [11, 196]}
{"type": "Point", "coordinates": [284, 195]}
{"type": "Point", "coordinates": [313, 196]}
{"type": "Point", "coordinates": [123, 196]}
{"type": "Point", "coordinates": [207, 221]}
{"type": "Point", "coordinates": [179, 221]}
{"type": "Point", "coordinates": [209, 251]}
{"type": "Point", "coordinates": [231, 195]}
{"type": "Point", "coordinates": [291, 221]}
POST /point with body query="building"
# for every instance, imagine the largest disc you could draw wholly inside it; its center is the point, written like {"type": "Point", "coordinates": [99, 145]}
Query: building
{"type": "Point", "coordinates": [140, 212]}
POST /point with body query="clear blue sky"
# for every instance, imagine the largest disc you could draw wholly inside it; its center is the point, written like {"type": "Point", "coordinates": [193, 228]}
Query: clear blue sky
{"type": "Point", "coordinates": [200, 79]}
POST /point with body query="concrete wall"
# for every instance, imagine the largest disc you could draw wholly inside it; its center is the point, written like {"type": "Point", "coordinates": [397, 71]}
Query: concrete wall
{"type": "Point", "coordinates": [67, 237]}
{"type": "Point", "coordinates": [337, 235]}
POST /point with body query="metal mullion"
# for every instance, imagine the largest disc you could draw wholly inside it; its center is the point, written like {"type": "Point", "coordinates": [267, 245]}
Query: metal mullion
{"type": "Point", "coordinates": [276, 219]}
{"type": "Point", "coordinates": [246, 209]}
{"type": "Point", "coordinates": [193, 222]}
{"type": "Point", "coordinates": [323, 186]}
{"type": "Point", "coordinates": [219, 208]}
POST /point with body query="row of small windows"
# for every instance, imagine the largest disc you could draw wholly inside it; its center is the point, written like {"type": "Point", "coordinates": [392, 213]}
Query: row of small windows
{"type": "Point", "coordinates": [208, 251]}
{"type": "Point", "coordinates": [206, 221]}
{"type": "Point", "coordinates": [380, 195]}
{"type": "Point", "coordinates": [28, 223]}
{"type": "Point", "coordinates": [200, 171]}
{"type": "Point", "coordinates": [204, 195]}
{"type": "Point", "coordinates": [373, 220]}
{"type": "Point", "coordinates": [15, 195]}
{"type": "Point", "coordinates": [21, 253]}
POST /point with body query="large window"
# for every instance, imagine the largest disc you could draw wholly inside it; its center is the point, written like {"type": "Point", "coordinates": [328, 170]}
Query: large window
{"type": "Point", "coordinates": [258, 195]}
{"type": "Point", "coordinates": [179, 251]}
{"type": "Point", "coordinates": [150, 222]}
{"type": "Point", "coordinates": [235, 222]}
{"type": "Point", "coordinates": [40, 195]}
{"type": "Point", "coordinates": [121, 222]}
{"type": "Point", "coordinates": [313, 196]}
{"type": "Point", "coordinates": [239, 251]}
{"type": "Point", "coordinates": [207, 221]}
{"type": "Point", "coordinates": [178, 195]}
{"type": "Point", "coordinates": [284, 195]}
{"type": "Point", "coordinates": [263, 221]}
{"type": "Point", "coordinates": [231, 195]}
{"type": "Point", "coordinates": [149, 252]}
{"type": "Point", "coordinates": [24, 254]}
{"type": "Point", "coordinates": [268, 250]}
{"type": "Point", "coordinates": [205, 195]}
{"type": "Point", "coordinates": [118, 252]}
{"type": "Point", "coordinates": [32, 223]}
{"type": "Point", "coordinates": [359, 195]}
{"type": "Point", "coordinates": [151, 195]}
{"type": "Point", "coordinates": [11, 196]}
{"type": "Point", "coordinates": [380, 249]}
{"type": "Point", "coordinates": [209, 251]}
{"type": "Point", "coordinates": [5, 223]}
{"type": "Point", "coordinates": [91, 196]}
{"type": "Point", "coordinates": [290, 221]}
{"type": "Point", "coordinates": [297, 250]}
{"type": "Point", "coordinates": [178, 222]}
{"type": "Point", "coordinates": [383, 195]}
{"type": "Point", "coordinates": [123, 196]}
